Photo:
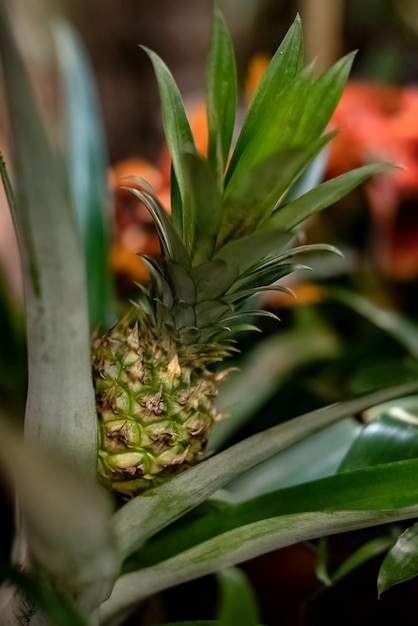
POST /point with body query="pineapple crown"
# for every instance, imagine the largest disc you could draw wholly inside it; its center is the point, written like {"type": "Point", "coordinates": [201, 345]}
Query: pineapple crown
{"type": "Point", "coordinates": [234, 212]}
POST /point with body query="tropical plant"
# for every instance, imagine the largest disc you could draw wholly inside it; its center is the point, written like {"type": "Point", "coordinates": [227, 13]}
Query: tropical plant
{"type": "Point", "coordinates": [81, 555]}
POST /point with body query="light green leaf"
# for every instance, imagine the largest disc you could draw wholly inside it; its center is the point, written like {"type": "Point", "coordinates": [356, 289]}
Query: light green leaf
{"type": "Point", "coordinates": [221, 95]}
{"type": "Point", "coordinates": [85, 153]}
{"type": "Point", "coordinates": [60, 405]}
{"type": "Point", "coordinates": [238, 605]}
{"type": "Point", "coordinates": [401, 562]}
{"type": "Point", "coordinates": [323, 196]}
{"type": "Point", "coordinates": [179, 139]}
{"type": "Point", "coordinates": [141, 518]}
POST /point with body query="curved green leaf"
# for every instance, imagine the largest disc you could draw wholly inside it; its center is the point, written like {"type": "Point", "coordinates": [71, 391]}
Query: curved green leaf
{"type": "Point", "coordinates": [239, 545]}
{"type": "Point", "coordinates": [401, 562]}
{"type": "Point", "coordinates": [284, 66]}
{"type": "Point", "coordinates": [180, 140]}
{"type": "Point", "coordinates": [323, 196]}
{"type": "Point", "coordinates": [391, 436]}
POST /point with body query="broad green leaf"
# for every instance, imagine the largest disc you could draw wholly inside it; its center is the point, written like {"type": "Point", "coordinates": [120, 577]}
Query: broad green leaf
{"type": "Point", "coordinates": [179, 139]}
{"type": "Point", "coordinates": [391, 436]}
{"type": "Point", "coordinates": [284, 66]}
{"type": "Point", "coordinates": [205, 206]}
{"type": "Point", "coordinates": [60, 404]}
{"type": "Point", "coordinates": [85, 153]}
{"type": "Point", "coordinates": [393, 323]}
{"type": "Point", "coordinates": [66, 521]}
{"type": "Point", "coordinates": [385, 487]}
{"type": "Point", "coordinates": [323, 196]}
{"type": "Point", "coordinates": [221, 95]}
{"type": "Point", "coordinates": [238, 604]}
{"type": "Point", "coordinates": [401, 562]}
{"type": "Point", "coordinates": [247, 542]}
{"type": "Point", "coordinates": [213, 278]}
{"type": "Point", "coordinates": [37, 593]}
{"type": "Point", "coordinates": [141, 518]}
{"type": "Point", "coordinates": [250, 200]}
{"type": "Point", "coordinates": [248, 251]}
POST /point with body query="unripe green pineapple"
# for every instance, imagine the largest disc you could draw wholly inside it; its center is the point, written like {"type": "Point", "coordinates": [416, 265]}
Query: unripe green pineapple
{"type": "Point", "coordinates": [230, 236]}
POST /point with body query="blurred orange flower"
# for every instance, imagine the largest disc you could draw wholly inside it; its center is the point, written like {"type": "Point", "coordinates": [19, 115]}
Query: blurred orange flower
{"type": "Point", "coordinates": [380, 123]}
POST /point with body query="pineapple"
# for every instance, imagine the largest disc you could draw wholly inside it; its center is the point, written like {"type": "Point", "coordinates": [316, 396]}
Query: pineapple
{"type": "Point", "coordinates": [231, 235]}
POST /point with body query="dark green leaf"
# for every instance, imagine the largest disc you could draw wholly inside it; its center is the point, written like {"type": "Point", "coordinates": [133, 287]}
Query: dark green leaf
{"type": "Point", "coordinates": [179, 139]}
{"type": "Point", "coordinates": [322, 99]}
{"type": "Point", "coordinates": [205, 206]}
{"type": "Point", "coordinates": [248, 251]}
{"type": "Point", "coordinates": [250, 200]}
{"type": "Point", "coordinates": [213, 279]}
{"type": "Point", "coordinates": [401, 562]}
{"type": "Point", "coordinates": [281, 72]}
{"type": "Point", "coordinates": [221, 95]}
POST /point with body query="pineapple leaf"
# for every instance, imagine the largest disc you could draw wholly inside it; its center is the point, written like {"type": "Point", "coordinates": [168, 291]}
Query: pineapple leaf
{"type": "Point", "coordinates": [284, 66]}
{"type": "Point", "coordinates": [245, 252]}
{"type": "Point", "coordinates": [213, 279]}
{"type": "Point", "coordinates": [265, 276]}
{"type": "Point", "coordinates": [180, 139]}
{"type": "Point", "coordinates": [323, 196]}
{"type": "Point", "coordinates": [221, 96]}
{"type": "Point", "coordinates": [250, 200]}
{"type": "Point", "coordinates": [171, 243]}
{"type": "Point", "coordinates": [322, 99]}
{"type": "Point", "coordinates": [205, 206]}
{"type": "Point", "coordinates": [163, 290]}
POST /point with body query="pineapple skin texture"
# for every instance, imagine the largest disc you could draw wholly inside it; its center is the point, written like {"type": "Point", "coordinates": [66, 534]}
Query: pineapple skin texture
{"type": "Point", "coordinates": [155, 405]}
